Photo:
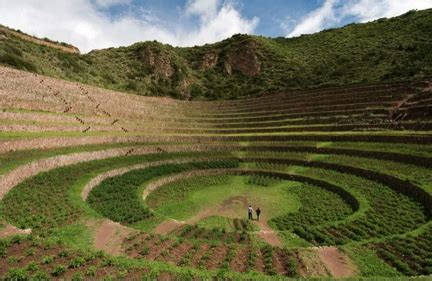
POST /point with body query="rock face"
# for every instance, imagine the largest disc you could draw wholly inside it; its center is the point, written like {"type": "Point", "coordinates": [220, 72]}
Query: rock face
{"type": "Point", "coordinates": [158, 61]}
{"type": "Point", "coordinates": [184, 88]}
{"type": "Point", "coordinates": [209, 61]}
{"type": "Point", "coordinates": [243, 59]}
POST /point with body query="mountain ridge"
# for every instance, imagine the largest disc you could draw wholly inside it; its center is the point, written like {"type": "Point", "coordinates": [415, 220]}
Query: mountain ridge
{"type": "Point", "coordinates": [384, 50]}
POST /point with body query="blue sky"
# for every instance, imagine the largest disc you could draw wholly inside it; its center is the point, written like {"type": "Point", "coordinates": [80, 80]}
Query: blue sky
{"type": "Point", "coordinates": [95, 24]}
{"type": "Point", "coordinates": [271, 13]}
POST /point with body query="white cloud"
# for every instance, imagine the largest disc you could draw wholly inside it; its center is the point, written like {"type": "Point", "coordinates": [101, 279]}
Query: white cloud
{"type": "Point", "coordinates": [206, 9]}
{"type": "Point", "coordinates": [286, 24]}
{"type": "Point", "coordinates": [367, 10]}
{"type": "Point", "coordinates": [316, 20]}
{"type": "Point", "coordinates": [84, 24]}
{"type": "Point", "coordinates": [109, 3]}
{"type": "Point", "coordinates": [218, 25]}
{"type": "Point", "coordinates": [333, 12]}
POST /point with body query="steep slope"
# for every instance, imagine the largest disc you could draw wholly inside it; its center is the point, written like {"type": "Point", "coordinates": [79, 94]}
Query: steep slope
{"type": "Point", "coordinates": [384, 50]}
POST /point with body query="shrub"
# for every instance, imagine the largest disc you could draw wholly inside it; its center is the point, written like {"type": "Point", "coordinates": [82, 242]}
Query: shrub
{"type": "Point", "coordinates": [59, 270]}
{"type": "Point", "coordinates": [17, 274]}
{"type": "Point", "coordinates": [17, 62]}
{"type": "Point", "coordinates": [47, 259]}
{"type": "Point", "coordinates": [77, 262]}
{"type": "Point", "coordinates": [78, 276]}
{"type": "Point", "coordinates": [32, 266]}
{"type": "Point", "coordinates": [40, 275]}
{"type": "Point", "coordinates": [91, 271]}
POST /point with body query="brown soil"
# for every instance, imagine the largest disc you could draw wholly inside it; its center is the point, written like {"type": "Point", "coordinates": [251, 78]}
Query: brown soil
{"type": "Point", "coordinates": [9, 230]}
{"type": "Point", "coordinates": [201, 252]}
{"type": "Point", "coordinates": [217, 257]}
{"type": "Point", "coordinates": [310, 264]}
{"type": "Point", "coordinates": [267, 233]}
{"type": "Point", "coordinates": [239, 263]}
{"type": "Point", "coordinates": [259, 263]}
{"type": "Point", "coordinates": [167, 226]}
{"type": "Point", "coordinates": [338, 264]}
{"type": "Point", "coordinates": [109, 236]}
{"type": "Point", "coordinates": [178, 253]}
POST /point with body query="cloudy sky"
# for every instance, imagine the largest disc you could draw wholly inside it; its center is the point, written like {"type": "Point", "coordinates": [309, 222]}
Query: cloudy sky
{"type": "Point", "coordinates": [95, 24]}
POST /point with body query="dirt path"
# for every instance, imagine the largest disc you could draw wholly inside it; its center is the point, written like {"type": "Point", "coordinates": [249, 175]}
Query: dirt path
{"type": "Point", "coordinates": [9, 230]}
{"type": "Point", "coordinates": [267, 233]}
{"type": "Point", "coordinates": [338, 264]}
{"type": "Point", "coordinates": [109, 236]}
{"type": "Point", "coordinates": [167, 226]}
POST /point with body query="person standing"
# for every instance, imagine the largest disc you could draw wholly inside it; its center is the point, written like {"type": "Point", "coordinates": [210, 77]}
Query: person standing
{"type": "Point", "coordinates": [258, 212]}
{"type": "Point", "coordinates": [250, 212]}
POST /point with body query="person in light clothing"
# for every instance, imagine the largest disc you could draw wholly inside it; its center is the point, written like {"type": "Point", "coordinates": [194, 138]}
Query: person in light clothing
{"type": "Point", "coordinates": [250, 212]}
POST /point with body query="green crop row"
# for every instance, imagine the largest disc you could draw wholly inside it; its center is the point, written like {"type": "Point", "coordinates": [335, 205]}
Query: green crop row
{"type": "Point", "coordinates": [411, 255]}
{"type": "Point", "coordinates": [318, 206]}
{"type": "Point", "coordinates": [51, 199]}
{"type": "Point", "coordinates": [262, 180]}
{"type": "Point", "coordinates": [118, 198]}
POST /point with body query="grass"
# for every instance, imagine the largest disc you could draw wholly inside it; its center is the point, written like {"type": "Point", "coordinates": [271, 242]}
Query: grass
{"type": "Point", "coordinates": [118, 198]}
{"type": "Point", "coordinates": [217, 221]}
{"type": "Point", "coordinates": [77, 236]}
{"type": "Point", "coordinates": [213, 197]}
{"type": "Point", "coordinates": [368, 263]}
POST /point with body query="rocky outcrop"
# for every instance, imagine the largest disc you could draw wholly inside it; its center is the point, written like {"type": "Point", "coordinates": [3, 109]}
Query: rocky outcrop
{"type": "Point", "coordinates": [159, 61]}
{"type": "Point", "coordinates": [243, 58]}
{"type": "Point", "coordinates": [209, 61]}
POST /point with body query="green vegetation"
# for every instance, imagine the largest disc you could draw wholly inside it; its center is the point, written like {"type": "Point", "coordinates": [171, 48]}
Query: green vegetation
{"type": "Point", "coordinates": [227, 224]}
{"type": "Point", "coordinates": [229, 199]}
{"type": "Point", "coordinates": [318, 206]}
{"type": "Point", "coordinates": [45, 193]}
{"type": "Point", "coordinates": [369, 264]}
{"type": "Point", "coordinates": [409, 255]}
{"type": "Point", "coordinates": [384, 50]}
{"type": "Point", "coordinates": [343, 167]}
{"type": "Point", "coordinates": [178, 191]}
{"type": "Point", "coordinates": [118, 198]}
{"type": "Point", "coordinates": [91, 264]}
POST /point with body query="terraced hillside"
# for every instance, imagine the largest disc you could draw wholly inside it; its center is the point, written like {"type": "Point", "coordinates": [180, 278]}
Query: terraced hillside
{"type": "Point", "coordinates": [116, 185]}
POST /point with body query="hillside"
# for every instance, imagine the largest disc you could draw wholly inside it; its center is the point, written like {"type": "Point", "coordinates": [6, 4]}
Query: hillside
{"type": "Point", "coordinates": [101, 184]}
{"type": "Point", "coordinates": [381, 51]}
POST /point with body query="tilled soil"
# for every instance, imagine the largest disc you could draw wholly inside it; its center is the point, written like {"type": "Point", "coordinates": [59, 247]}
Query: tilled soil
{"type": "Point", "coordinates": [109, 236]}
{"type": "Point", "coordinates": [339, 264]}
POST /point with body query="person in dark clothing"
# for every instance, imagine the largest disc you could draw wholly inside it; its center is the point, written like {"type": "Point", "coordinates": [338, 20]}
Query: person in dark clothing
{"type": "Point", "coordinates": [250, 211]}
{"type": "Point", "coordinates": [258, 212]}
